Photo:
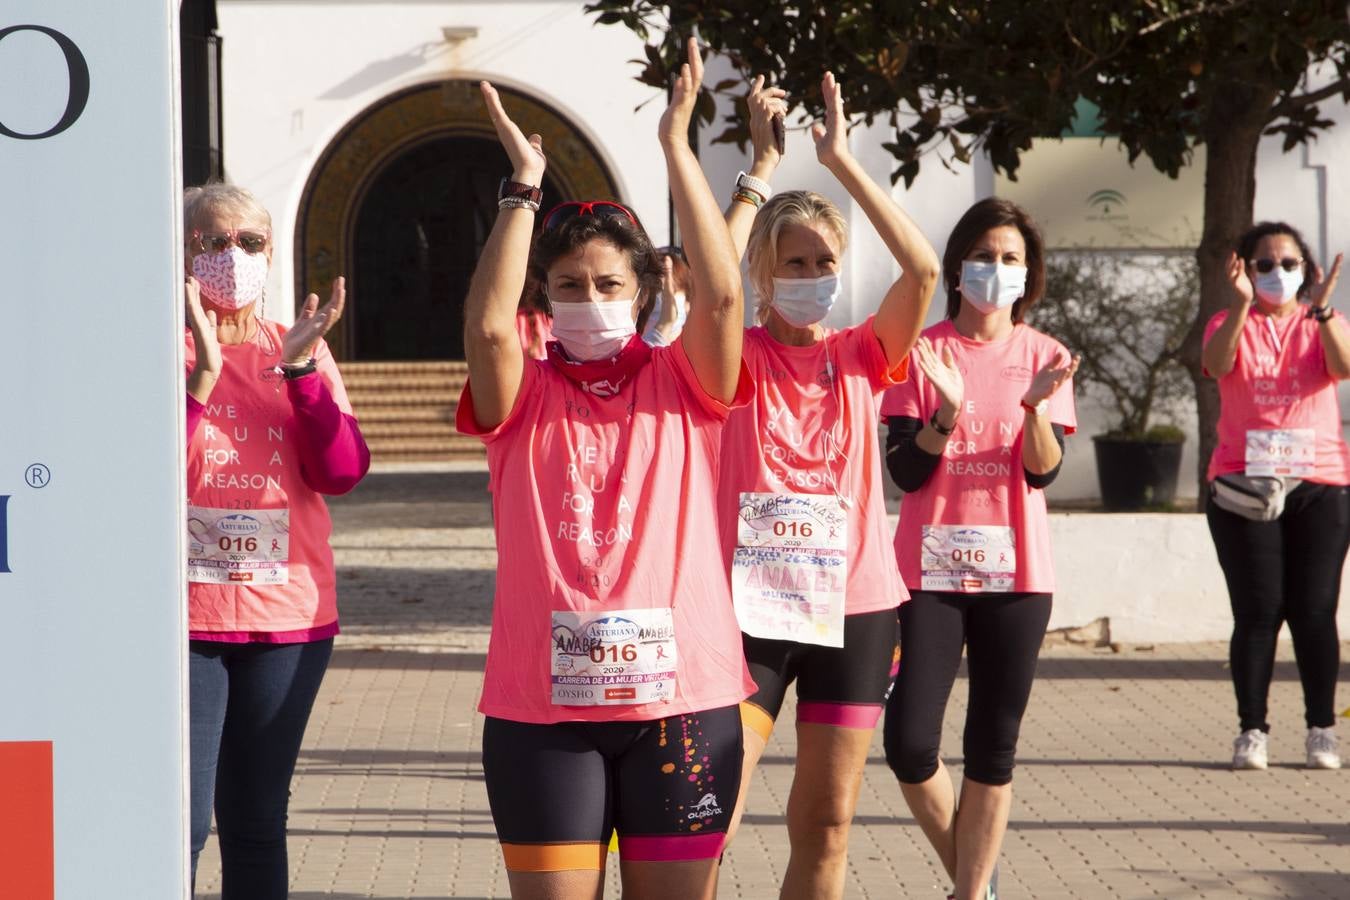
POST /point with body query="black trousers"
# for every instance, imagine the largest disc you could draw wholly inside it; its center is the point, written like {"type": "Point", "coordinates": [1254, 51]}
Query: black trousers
{"type": "Point", "coordinates": [1002, 636]}
{"type": "Point", "coordinates": [1288, 570]}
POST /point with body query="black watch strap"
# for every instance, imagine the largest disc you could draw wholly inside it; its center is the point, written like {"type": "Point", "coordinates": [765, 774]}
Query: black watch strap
{"type": "Point", "coordinates": [1322, 315]}
{"type": "Point", "coordinates": [945, 432]}
{"type": "Point", "coordinates": [290, 373]}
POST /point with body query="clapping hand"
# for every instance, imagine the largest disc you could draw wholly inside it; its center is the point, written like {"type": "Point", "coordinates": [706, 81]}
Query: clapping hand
{"type": "Point", "coordinates": [942, 373]}
{"type": "Point", "coordinates": [1242, 285]}
{"type": "Point", "coordinates": [1323, 289]}
{"type": "Point", "coordinates": [297, 347]}
{"type": "Point", "coordinates": [526, 154]}
{"type": "Point", "coordinates": [674, 126]}
{"type": "Point", "coordinates": [766, 105]}
{"type": "Point", "coordinates": [832, 137]}
{"type": "Point", "coordinates": [1050, 378]}
{"type": "Point", "coordinates": [206, 368]}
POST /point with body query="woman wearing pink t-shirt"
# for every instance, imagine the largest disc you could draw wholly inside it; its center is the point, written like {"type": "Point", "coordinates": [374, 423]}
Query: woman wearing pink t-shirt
{"type": "Point", "coordinates": [975, 436]}
{"type": "Point", "coordinates": [615, 667]}
{"type": "Point", "coordinates": [269, 431]}
{"type": "Point", "coordinates": [802, 514]}
{"type": "Point", "coordinates": [1279, 508]}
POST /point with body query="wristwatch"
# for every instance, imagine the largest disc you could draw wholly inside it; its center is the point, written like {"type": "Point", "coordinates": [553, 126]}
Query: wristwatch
{"type": "Point", "coordinates": [1321, 314]}
{"type": "Point", "coordinates": [1038, 409]}
{"type": "Point", "coordinates": [516, 193]}
{"type": "Point", "coordinates": [747, 182]}
{"type": "Point", "coordinates": [945, 432]}
{"type": "Point", "coordinates": [290, 373]}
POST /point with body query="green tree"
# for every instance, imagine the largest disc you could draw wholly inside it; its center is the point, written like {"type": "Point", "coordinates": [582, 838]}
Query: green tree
{"type": "Point", "coordinates": [961, 76]}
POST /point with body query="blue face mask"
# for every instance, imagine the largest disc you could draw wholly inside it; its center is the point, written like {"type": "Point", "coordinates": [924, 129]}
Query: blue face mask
{"type": "Point", "coordinates": [992, 286]}
{"type": "Point", "coordinates": [805, 301]}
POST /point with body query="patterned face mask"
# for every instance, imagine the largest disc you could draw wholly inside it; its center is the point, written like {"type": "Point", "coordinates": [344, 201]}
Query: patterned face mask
{"type": "Point", "coordinates": [231, 279]}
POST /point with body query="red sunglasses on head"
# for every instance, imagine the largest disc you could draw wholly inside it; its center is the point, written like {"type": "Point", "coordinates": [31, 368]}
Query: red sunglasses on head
{"type": "Point", "coordinates": [573, 208]}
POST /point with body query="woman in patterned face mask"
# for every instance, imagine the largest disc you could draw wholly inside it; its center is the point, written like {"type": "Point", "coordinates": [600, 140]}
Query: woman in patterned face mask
{"type": "Point", "coordinates": [1279, 508]}
{"type": "Point", "coordinates": [269, 430]}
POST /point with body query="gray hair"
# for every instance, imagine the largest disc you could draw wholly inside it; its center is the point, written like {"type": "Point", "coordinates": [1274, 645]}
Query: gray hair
{"type": "Point", "coordinates": [198, 202]}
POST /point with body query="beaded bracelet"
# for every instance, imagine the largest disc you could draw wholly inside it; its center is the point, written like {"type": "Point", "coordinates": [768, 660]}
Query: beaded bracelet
{"type": "Point", "coordinates": [518, 203]}
{"type": "Point", "coordinates": [749, 197]}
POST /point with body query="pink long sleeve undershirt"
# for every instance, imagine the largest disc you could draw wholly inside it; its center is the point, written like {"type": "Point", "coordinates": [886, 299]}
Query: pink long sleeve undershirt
{"type": "Point", "coordinates": [333, 454]}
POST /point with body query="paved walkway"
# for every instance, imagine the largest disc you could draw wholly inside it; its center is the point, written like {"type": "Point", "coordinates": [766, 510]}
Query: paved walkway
{"type": "Point", "coordinates": [1121, 789]}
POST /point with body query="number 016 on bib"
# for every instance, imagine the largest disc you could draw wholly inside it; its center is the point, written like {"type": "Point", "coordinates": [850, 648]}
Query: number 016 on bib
{"type": "Point", "coordinates": [968, 558]}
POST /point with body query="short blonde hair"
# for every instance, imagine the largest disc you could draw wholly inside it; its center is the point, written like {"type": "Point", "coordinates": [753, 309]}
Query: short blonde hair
{"type": "Point", "coordinates": [198, 202]}
{"type": "Point", "coordinates": [786, 208]}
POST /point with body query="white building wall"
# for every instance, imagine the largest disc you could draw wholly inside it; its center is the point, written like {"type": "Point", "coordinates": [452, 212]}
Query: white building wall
{"type": "Point", "coordinates": [297, 71]}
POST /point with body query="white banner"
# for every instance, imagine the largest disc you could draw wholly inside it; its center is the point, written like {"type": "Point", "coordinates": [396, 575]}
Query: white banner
{"type": "Point", "coordinates": [92, 602]}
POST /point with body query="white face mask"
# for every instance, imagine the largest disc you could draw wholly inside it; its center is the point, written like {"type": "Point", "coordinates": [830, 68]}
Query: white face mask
{"type": "Point", "coordinates": [231, 279]}
{"type": "Point", "coordinates": [992, 286]}
{"type": "Point", "coordinates": [589, 331]}
{"type": "Point", "coordinates": [1277, 287]}
{"type": "Point", "coordinates": [805, 301]}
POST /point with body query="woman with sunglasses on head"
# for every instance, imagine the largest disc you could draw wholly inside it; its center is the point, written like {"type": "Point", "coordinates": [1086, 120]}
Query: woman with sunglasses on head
{"type": "Point", "coordinates": [1279, 508]}
{"type": "Point", "coordinates": [269, 431]}
{"type": "Point", "coordinates": [802, 514]}
{"type": "Point", "coordinates": [614, 667]}
{"type": "Point", "coordinates": [974, 439]}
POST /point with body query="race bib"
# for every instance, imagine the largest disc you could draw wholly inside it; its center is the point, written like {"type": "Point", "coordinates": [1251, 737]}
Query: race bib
{"type": "Point", "coordinates": [1282, 452]}
{"type": "Point", "coordinates": [790, 568]}
{"type": "Point", "coordinates": [971, 559]}
{"type": "Point", "coordinates": [233, 546]}
{"type": "Point", "coordinates": [613, 658]}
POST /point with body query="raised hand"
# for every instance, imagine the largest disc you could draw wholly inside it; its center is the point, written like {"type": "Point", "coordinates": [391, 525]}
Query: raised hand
{"type": "Point", "coordinates": [669, 312]}
{"type": "Point", "coordinates": [202, 323]}
{"type": "Point", "coordinates": [1323, 289]}
{"type": "Point", "coordinates": [1242, 285]}
{"type": "Point", "coordinates": [297, 347]}
{"type": "Point", "coordinates": [943, 373]}
{"type": "Point", "coordinates": [1050, 378]}
{"type": "Point", "coordinates": [832, 137]}
{"type": "Point", "coordinates": [766, 104]}
{"type": "Point", "coordinates": [526, 154]}
{"type": "Point", "coordinates": [674, 126]}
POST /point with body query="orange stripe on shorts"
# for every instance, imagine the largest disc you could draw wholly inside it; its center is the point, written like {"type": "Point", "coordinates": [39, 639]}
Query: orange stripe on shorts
{"type": "Point", "coordinates": [757, 720]}
{"type": "Point", "coordinates": [554, 857]}
{"type": "Point", "coordinates": [27, 860]}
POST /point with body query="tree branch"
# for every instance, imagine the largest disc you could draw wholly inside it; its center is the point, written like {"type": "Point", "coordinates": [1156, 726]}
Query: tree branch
{"type": "Point", "coordinates": [1290, 105]}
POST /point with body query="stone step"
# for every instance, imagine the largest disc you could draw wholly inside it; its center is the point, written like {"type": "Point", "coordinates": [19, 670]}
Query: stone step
{"type": "Point", "coordinates": [445, 367]}
{"type": "Point", "coordinates": [392, 449]}
{"type": "Point", "coordinates": [405, 429]}
{"type": "Point", "coordinates": [407, 409]}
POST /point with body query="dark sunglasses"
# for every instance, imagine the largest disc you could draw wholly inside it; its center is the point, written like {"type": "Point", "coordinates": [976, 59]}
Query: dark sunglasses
{"type": "Point", "coordinates": [1289, 264]}
{"type": "Point", "coordinates": [672, 250]}
{"type": "Point", "coordinates": [248, 239]}
{"type": "Point", "coordinates": [573, 208]}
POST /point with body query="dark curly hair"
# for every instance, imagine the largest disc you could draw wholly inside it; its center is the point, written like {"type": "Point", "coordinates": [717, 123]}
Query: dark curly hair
{"type": "Point", "coordinates": [984, 216]}
{"type": "Point", "coordinates": [1252, 236]}
{"type": "Point", "coordinates": [551, 245]}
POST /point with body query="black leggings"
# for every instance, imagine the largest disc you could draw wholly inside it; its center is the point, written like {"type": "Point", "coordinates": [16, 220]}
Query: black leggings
{"type": "Point", "coordinates": [1002, 634]}
{"type": "Point", "coordinates": [1288, 570]}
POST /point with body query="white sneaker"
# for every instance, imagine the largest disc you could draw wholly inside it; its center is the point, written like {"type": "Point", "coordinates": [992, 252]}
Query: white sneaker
{"type": "Point", "coordinates": [1249, 750]}
{"type": "Point", "coordinates": [1322, 753]}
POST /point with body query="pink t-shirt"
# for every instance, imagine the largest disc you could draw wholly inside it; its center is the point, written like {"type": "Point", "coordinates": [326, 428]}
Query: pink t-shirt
{"type": "Point", "coordinates": [980, 480]}
{"type": "Point", "coordinates": [808, 432]}
{"type": "Point", "coordinates": [1279, 380]}
{"type": "Point", "coordinates": [535, 330]}
{"type": "Point", "coordinates": [243, 459]}
{"type": "Point", "coordinates": [603, 505]}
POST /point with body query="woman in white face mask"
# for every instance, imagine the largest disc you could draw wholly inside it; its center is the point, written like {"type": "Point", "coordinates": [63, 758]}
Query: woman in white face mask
{"type": "Point", "coordinates": [1279, 508]}
{"type": "Point", "coordinates": [269, 431]}
{"type": "Point", "coordinates": [802, 514]}
{"type": "Point", "coordinates": [975, 436]}
{"type": "Point", "coordinates": [615, 667]}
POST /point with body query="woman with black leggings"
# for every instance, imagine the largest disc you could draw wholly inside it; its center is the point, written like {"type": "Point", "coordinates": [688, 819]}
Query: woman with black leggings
{"type": "Point", "coordinates": [976, 435]}
{"type": "Point", "coordinates": [1278, 509]}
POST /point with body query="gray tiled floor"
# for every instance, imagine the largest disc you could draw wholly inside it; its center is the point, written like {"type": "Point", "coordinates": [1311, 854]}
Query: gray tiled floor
{"type": "Point", "coordinates": [1121, 789]}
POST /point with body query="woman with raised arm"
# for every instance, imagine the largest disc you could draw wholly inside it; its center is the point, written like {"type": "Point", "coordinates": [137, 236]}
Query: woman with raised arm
{"type": "Point", "coordinates": [802, 514]}
{"type": "Point", "coordinates": [1279, 505]}
{"type": "Point", "coordinates": [269, 432]}
{"type": "Point", "coordinates": [974, 439]}
{"type": "Point", "coordinates": [615, 668]}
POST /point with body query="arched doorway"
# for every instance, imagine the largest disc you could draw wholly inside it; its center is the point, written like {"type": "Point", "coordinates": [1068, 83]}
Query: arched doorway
{"type": "Point", "coordinates": [417, 235]}
{"type": "Point", "coordinates": [401, 203]}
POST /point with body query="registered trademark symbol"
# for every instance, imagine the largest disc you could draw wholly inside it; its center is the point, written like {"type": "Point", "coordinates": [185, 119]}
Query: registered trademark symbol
{"type": "Point", "coordinates": [37, 475]}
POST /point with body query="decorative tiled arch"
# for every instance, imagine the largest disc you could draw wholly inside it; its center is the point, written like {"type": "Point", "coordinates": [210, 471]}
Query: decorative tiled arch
{"type": "Point", "coordinates": [398, 122]}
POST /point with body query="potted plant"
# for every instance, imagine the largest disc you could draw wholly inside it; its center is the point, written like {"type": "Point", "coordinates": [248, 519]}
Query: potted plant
{"type": "Point", "coordinates": [1127, 316]}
